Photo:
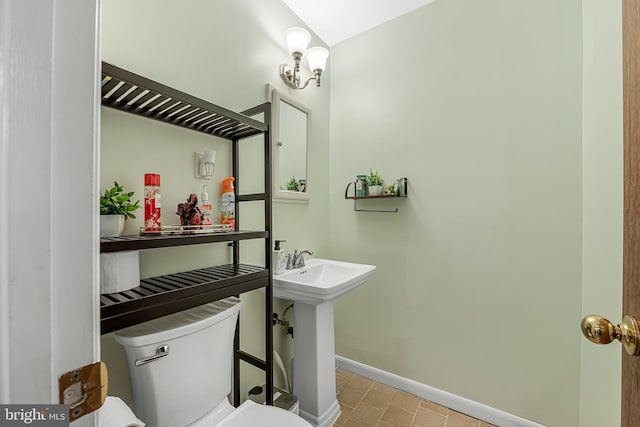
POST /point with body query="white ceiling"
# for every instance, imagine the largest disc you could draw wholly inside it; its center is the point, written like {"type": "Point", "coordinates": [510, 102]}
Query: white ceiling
{"type": "Point", "coordinates": [337, 20]}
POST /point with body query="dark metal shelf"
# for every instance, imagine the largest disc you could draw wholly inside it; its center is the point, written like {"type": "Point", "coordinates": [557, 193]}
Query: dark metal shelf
{"type": "Point", "coordinates": [374, 197]}
{"type": "Point", "coordinates": [132, 93]}
{"type": "Point", "coordinates": [134, 242]}
{"type": "Point", "coordinates": [163, 295]}
{"type": "Point", "coordinates": [251, 197]}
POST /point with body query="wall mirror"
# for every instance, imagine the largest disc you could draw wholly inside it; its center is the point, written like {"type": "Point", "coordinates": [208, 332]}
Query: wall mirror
{"type": "Point", "coordinates": [291, 122]}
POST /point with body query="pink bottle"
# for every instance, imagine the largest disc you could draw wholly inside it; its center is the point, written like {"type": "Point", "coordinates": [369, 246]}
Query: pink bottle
{"type": "Point", "coordinates": [152, 202]}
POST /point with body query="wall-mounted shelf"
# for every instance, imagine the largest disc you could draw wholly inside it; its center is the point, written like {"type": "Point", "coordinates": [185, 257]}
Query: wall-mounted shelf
{"type": "Point", "coordinates": [404, 184]}
{"type": "Point", "coordinates": [163, 295]}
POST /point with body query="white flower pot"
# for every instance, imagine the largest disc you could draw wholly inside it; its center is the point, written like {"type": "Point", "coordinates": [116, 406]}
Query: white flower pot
{"type": "Point", "coordinates": [375, 190]}
{"type": "Point", "coordinates": [111, 225]}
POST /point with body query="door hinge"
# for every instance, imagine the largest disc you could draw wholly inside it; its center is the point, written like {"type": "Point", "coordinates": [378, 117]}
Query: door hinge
{"type": "Point", "coordinates": [84, 389]}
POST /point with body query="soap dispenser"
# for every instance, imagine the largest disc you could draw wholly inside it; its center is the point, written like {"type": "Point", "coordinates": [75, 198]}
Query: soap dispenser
{"type": "Point", "coordinates": [279, 259]}
{"type": "Point", "coordinates": [205, 207]}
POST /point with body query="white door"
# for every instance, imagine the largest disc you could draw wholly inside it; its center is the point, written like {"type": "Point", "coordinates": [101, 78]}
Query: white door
{"type": "Point", "coordinates": [49, 121]}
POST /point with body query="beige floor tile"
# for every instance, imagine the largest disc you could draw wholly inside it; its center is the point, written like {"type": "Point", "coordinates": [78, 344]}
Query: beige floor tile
{"type": "Point", "coordinates": [352, 423]}
{"type": "Point", "coordinates": [341, 382]}
{"type": "Point", "coordinates": [359, 383]}
{"type": "Point", "coordinates": [344, 415]}
{"type": "Point", "coordinates": [344, 372]}
{"type": "Point", "coordinates": [397, 417]}
{"type": "Point", "coordinates": [350, 397]}
{"type": "Point", "coordinates": [456, 419]}
{"type": "Point", "coordinates": [366, 403]}
{"type": "Point", "coordinates": [427, 404]}
{"type": "Point", "coordinates": [383, 388]}
{"type": "Point", "coordinates": [427, 418]}
{"type": "Point", "coordinates": [367, 414]}
{"type": "Point", "coordinates": [405, 401]}
{"type": "Point", "coordinates": [378, 399]}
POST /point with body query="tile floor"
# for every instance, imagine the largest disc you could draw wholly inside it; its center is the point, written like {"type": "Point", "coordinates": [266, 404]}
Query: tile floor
{"type": "Point", "coordinates": [366, 403]}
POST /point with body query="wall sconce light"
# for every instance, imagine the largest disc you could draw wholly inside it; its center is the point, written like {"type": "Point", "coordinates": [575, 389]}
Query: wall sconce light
{"type": "Point", "coordinates": [297, 40]}
{"type": "Point", "coordinates": [204, 164]}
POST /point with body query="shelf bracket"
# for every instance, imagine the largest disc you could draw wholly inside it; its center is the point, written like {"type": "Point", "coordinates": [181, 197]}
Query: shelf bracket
{"type": "Point", "coordinates": [355, 208]}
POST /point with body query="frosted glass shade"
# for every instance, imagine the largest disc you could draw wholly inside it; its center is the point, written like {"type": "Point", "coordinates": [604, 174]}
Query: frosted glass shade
{"type": "Point", "coordinates": [298, 39]}
{"type": "Point", "coordinates": [209, 156]}
{"type": "Point", "coordinates": [317, 57]}
{"type": "Point", "coordinates": [209, 161]}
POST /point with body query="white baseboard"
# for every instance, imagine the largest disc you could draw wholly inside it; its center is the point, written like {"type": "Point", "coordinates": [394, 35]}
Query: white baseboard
{"type": "Point", "coordinates": [457, 403]}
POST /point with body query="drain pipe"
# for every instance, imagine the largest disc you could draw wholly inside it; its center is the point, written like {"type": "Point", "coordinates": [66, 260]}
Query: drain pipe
{"type": "Point", "coordinates": [278, 360]}
{"type": "Point", "coordinates": [276, 356]}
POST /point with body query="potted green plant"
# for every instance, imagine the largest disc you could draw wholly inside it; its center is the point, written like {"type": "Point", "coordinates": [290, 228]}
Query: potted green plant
{"type": "Point", "coordinates": [374, 183]}
{"type": "Point", "coordinates": [293, 185]}
{"type": "Point", "coordinates": [389, 190]}
{"type": "Point", "coordinates": [115, 207]}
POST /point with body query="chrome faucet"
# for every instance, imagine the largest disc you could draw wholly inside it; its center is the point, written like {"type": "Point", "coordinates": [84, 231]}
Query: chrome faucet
{"type": "Point", "coordinates": [297, 259]}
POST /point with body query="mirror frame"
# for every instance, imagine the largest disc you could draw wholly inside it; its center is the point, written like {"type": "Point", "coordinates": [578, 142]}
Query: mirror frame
{"type": "Point", "coordinates": [278, 194]}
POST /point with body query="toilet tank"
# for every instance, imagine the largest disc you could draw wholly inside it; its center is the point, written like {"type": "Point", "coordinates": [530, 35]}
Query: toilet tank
{"type": "Point", "coordinates": [180, 365]}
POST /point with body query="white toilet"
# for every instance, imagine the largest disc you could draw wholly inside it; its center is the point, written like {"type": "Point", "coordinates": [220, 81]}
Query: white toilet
{"type": "Point", "coordinates": [180, 367]}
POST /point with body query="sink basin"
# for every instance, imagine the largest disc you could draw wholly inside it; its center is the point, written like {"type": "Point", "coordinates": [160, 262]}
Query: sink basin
{"type": "Point", "coordinates": [321, 280]}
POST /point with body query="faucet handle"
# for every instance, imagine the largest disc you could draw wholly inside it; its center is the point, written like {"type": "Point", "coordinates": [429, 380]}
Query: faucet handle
{"type": "Point", "coordinates": [289, 258]}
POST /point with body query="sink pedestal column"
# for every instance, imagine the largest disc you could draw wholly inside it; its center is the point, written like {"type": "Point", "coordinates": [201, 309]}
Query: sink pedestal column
{"type": "Point", "coordinates": [314, 363]}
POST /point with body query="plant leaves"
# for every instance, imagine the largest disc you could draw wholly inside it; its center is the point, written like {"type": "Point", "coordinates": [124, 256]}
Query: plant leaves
{"type": "Point", "coordinates": [115, 202]}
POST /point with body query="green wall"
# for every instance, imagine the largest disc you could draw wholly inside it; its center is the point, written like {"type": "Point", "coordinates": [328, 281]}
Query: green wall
{"type": "Point", "coordinates": [478, 286]}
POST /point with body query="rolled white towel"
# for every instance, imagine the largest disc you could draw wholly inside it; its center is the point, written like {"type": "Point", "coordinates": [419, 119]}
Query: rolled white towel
{"type": "Point", "coordinates": [116, 413]}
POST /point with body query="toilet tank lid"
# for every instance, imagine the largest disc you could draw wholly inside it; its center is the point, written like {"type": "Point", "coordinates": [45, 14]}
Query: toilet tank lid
{"type": "Point", "coordinates": [178, 324]}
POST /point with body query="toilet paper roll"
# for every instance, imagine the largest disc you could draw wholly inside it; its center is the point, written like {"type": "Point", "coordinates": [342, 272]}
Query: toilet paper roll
{"type": "Point", "coordinates": [116, 413]}
{"type": "Point", "coordinates": [119, 271]}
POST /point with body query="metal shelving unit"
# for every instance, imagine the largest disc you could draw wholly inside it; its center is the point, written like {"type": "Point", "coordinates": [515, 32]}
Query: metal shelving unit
{"type": "Point", "coordinates": [159, 296]}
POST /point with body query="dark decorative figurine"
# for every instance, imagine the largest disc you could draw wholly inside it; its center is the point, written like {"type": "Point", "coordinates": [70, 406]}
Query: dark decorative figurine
{"type": "Point", "coordinates": [189, 212]}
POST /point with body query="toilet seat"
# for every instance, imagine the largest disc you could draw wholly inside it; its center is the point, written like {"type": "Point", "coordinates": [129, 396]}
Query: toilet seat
{"type": "Point", "coordinates": [253, 414]}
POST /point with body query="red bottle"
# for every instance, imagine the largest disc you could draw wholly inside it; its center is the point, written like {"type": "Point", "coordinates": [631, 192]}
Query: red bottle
{"type": "Point", "coordinates": [152, 202]}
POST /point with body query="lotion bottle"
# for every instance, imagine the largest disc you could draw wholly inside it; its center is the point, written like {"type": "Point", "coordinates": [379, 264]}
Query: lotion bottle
{"type": "Point", "coordinates": [278, 260]}
{"type": "Point", "coordinates": [205, 207]}
{"type": "Point", "coordinates": [228, 203]}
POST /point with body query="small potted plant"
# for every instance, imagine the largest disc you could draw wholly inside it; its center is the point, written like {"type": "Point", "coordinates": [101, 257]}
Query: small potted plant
{"type": "Point", "coordinates": [374, 183]}
{"type": "Point", "coordinates": [293, 185]}
{"type": "Point", "coordinates": [389, 190]}
{"type": "Point", "coordinates": [115, 207]}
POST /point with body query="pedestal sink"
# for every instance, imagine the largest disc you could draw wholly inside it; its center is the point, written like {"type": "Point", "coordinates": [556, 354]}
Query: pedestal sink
{"type": "Point", "coordinates": [313, 289]}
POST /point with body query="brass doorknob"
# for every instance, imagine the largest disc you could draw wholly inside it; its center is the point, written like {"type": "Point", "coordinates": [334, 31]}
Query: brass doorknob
{"type": "Point", "coordinates": [599, 330]}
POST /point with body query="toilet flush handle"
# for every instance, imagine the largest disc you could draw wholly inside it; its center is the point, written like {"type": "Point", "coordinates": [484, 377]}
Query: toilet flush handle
{"type": "Point", "coordinates": [162, 351]}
